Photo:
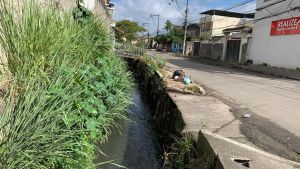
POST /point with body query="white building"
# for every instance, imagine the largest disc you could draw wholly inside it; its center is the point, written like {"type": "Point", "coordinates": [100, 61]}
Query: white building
{"type": "Point", "coordinates": [102, 9]}
{"type": "Point", "coordinates": [276, 34]}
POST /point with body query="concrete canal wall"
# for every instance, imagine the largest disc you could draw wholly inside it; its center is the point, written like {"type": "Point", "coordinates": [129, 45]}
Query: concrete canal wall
{"type": "Point", "coordinates": [214, 128]}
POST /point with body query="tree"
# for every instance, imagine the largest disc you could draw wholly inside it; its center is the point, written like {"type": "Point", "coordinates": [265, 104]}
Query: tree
{"type": "Point", "coordinates": [175, 34]}
{"type": "Point", "coordinates": [168, 25]}
{"type": "Point", "coordinates": [128, 29]}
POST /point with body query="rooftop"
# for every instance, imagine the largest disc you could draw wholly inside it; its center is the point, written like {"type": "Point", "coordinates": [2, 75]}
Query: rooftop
{"type": "Point", "coordinates": [229, 14]}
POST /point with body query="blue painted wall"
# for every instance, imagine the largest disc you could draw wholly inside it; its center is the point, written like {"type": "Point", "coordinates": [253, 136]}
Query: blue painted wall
{"type": "Point", "coordinates": [176, 47]}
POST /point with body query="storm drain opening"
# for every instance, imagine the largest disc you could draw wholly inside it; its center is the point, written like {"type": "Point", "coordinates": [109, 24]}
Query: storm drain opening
{"type": "Point", "coordinates": [243, 161]}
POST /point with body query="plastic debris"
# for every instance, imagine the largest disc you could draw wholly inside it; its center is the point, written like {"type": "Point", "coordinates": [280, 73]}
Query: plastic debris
{"type": "Point", "coordinates": [247, 115]}
{"type": "Point", "coordinates": [178, 73]}
{"type": "Point", "coordinates": [187, 80]}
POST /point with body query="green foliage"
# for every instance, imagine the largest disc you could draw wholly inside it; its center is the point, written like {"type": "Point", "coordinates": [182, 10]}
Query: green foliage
{"type": "Point", "coordinates": [82, 14]}
{"type": "Point", "coordinates": [67, 90]}
{"type": "Point", "coordinates": [175, 34]}
{"type": "Point", "coordinates": [168, 25]}
{"type": "Point", "coordinates": [163, 39]}
{"type": "Point", "coordinates": [155, 63]}
{"type": "Point", "coordinates": [128, 29]}
{"type": "Point", "coordinates": [181, 154]}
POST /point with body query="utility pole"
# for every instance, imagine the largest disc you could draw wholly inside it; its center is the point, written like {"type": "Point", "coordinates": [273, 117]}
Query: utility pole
{"type": "Point", "coordinates": [185, 26]}
{"type": "Point", "coordinates": [152, 15]}
{"type": "Point", "coordinates": [148, 33]}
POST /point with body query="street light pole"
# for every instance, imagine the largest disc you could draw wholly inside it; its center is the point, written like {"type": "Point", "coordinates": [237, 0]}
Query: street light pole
{"type": "Point", "coordinates": [158, 17]}
{"type": "Point", "coordinates": [148, 33]}
{"type": "Point", "coordinates": [185, 27]}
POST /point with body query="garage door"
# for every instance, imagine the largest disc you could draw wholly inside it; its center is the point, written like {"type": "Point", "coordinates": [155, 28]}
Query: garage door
{"type": "Point", "coordinates": [233, 51]}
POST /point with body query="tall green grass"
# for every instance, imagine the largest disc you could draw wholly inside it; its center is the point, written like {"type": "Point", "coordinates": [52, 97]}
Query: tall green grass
{"type": "Point", "coordinates": [66, 91]}
{"type": "Point", "coordinates": [155, 63]}
{"type": "Point", "coordinates": [181, 153]}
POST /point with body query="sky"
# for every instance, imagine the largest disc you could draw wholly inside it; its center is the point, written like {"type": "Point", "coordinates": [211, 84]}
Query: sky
{"type": "Point", "coordinates": [140, 10]}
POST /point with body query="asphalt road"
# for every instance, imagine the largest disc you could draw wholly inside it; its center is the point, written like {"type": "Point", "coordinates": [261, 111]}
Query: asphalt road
{"type": "Point", "coordinates": [273, 102]}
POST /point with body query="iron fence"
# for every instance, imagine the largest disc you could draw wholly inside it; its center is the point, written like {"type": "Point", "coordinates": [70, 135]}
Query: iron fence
{"type": "Point", "coordinates": [129, 50]}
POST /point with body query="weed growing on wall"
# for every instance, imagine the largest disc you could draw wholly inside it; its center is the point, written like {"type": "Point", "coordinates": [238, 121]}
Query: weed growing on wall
{"type": "Point", "coordinates": [181, 153]}
{"type": "Point", "coordinates": [155, 63]}
{"type": "Point", "coordinates": [66, 91]}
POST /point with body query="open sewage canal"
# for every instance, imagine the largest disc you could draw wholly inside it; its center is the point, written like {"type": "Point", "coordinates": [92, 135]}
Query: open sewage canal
{"type": "Point", "coordinates": [135, 145]}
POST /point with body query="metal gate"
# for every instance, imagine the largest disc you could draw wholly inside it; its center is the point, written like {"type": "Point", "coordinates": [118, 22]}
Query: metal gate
{"type": "Point", "coordinates": [233, 50]}
{"type": "Point", "coordinates": [196, 49]}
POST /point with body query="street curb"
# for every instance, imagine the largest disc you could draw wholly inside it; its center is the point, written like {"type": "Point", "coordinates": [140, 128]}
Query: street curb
{"type": "Point", "coordinates": [264, 70]}
{"type": "Point", "coordinates": [208, 137]}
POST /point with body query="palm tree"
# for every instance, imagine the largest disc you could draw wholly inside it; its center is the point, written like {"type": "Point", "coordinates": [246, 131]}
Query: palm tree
{"type": "Point", "coordinates": [168, 25]}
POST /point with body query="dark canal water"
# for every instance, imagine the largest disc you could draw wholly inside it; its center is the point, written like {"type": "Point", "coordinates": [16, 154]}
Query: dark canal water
{"type": "Point", "coordinates": [136, 145]}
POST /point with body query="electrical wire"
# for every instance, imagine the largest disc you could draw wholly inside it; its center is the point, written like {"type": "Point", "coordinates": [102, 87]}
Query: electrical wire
{"type": "Point", "coordinates": [272, 4]}
{"type": "Point", "coordinates": [176, 7]}
{"type": "Point", "coordinates": [239, 4]}
{"type": "Point", "coordinates": [272, 13]}
{"type": "Point", "coordinates": [256, 20]}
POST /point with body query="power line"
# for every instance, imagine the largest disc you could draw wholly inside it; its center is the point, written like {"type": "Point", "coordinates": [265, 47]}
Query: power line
{"type": "Point", "coordinates": [177, 4]}
{"type": "Point", "coordinates": [176, 8]}
{"type": "Point", "coordinates": [185, 26]}
{"type": "Point", "coordinates": [276, 10]}
{"type": "Point", "coordinates": [293, 9]}
{"type": "Point", "coordinates": [239, 4]}
{"type": "Point", "coordinates": [192, 20]}
{"type": "Point", "coordinates": [154, 32]}
{"type": "Point", "coordinates": [231, 7]}
{"type": "Point", "coordinates": [272, 4]}
{"type": "Point", "coordinates": [153, 15]}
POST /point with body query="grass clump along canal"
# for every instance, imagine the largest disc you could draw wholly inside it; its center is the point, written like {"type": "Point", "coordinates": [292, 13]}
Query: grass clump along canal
{"type": "Point", "coordinates": [65, 88]}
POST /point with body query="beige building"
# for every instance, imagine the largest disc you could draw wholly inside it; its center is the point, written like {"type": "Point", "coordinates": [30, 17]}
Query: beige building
{"type": "Point", "coordinates": [213, 22]}
{"type": "Point", "coordinates": [224, 36]}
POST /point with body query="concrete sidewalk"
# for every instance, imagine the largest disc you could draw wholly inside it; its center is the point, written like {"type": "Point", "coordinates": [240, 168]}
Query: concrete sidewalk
{"type": "Point", "coordinates": [210, 115]}
{"type": "Point", "coordinates": [274, 104]}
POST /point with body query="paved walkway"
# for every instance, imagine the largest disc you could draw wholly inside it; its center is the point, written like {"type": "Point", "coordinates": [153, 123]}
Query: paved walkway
{"type": "Point", "coordinates": [273, 102]}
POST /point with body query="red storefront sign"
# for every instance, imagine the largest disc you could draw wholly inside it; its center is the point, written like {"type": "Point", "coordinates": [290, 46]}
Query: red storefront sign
{"type": "Point", "coordinates": [286, 27]}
